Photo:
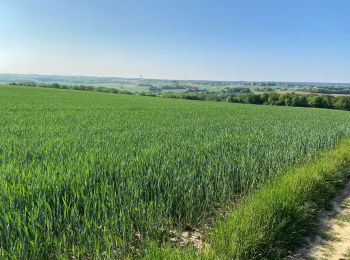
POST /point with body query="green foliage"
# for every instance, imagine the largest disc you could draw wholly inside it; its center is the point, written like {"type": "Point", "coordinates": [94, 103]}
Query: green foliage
{"type": "Point", "coordinates": [272, 222]}
{"type": "Point", "coordinates": [327, 89]}
{"type": "Point", "coordinates": [87, 174]}
{"type": "Point", "coordinates": [275, 220]}
{"type": "Point", "coordinates": [237, 90]}
{"type": "Point", "coordinates": [296, 100]}
{"type": "Point", "coordinates": [74, 87]}
{"type": "Point", "coordinates": [154, 89]}
{"type": "Point", "coordinates": [229, 99]}
{"type": "Point", "coordinates": [230, 95]}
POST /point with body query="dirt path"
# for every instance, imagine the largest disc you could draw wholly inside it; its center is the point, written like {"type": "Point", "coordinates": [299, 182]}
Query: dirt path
{"type": "Point", "coordinates": [334, 242]}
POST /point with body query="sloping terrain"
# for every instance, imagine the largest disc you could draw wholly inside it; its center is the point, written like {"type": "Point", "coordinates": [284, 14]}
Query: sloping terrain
{"type": "Point", "coordinates": [334, 242]}
{"type": "Point", "coordinates": [86, 174]}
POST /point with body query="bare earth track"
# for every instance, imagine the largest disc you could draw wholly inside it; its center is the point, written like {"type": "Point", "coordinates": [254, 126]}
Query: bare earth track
{"type": "Point", "coordinates": [334, 242]}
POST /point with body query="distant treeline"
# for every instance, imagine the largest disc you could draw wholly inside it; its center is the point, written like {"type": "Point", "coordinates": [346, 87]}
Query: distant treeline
{"type": "Point", "coordinates": [292, 99]}
{"type": "Point", "coordinates": [328, 90]}
{"type": "Point", "coordinates": [171, 87]}
{"type": "Point", "coordinates": [77, 87]}
{"type": "Point", "coordinates": [270, 98]}
{"type": "Point", "coordinates": [268, 83]}
{"type": "Point", "coordinates": [189, 88]}
{"type": "Point", "coordinates": [236, 90]}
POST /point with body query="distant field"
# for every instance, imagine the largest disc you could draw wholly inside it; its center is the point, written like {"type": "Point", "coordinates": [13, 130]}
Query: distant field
{"type": "Point", "coordinates": [139, 84]}
{"type": "Point", "coordinates": [128, 84]}
{"type": "Point", "coordinates": [86, 174]}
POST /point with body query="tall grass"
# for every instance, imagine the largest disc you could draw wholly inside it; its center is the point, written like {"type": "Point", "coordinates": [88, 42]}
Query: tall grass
{"type": "Point", "coordinates": [274, 221]}
{"type": "Point", "coordinates": [87, 174]}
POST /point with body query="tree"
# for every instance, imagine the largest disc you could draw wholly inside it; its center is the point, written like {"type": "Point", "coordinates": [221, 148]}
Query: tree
{"type": "Point", "coordinates": [229, 99]}
{"type": "Point", "coordinates": [273, 99]}
{"type": "Point", "coordinates": [254, 99]}
{"type": "Point", "coordinates": [315, 101]}
{"type": "Point", "coordinates": [154, 89]}
{"type": "Point", "coordinates": [286, 99]}
{"type": "Point", "coordinates": [342, 103]}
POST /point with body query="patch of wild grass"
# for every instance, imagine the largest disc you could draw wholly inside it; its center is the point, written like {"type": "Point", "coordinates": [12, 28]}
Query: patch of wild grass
{"type": "Point", "coordinates": [273, 221]}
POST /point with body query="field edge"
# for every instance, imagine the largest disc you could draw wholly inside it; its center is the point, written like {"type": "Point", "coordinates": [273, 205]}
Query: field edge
{"type": "Point", "coordinates": [275, 220]}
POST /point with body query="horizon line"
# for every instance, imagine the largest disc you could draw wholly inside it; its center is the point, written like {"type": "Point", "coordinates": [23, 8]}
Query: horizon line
{"type": "Point", "coordinates": [169, 79]}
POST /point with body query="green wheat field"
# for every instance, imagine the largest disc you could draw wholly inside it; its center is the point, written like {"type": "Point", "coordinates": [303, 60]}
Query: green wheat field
{"type": "Point", "coordinates": [86, 174]}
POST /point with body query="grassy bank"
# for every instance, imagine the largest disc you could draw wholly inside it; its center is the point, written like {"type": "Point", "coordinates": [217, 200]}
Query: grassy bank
{"type": "Point", "coordinates": [274, 221]}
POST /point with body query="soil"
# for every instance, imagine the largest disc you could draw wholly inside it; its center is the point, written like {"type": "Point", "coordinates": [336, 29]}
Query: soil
{"type": "Point", "coordinates": [334, 240]}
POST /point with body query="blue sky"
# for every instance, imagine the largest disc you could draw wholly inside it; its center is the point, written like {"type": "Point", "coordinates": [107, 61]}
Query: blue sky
{"type": "Point", "coordinates": [286, 40]}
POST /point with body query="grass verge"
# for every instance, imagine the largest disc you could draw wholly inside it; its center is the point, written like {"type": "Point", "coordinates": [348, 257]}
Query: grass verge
{"type": "Point", "coordinates": [272, 222]}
